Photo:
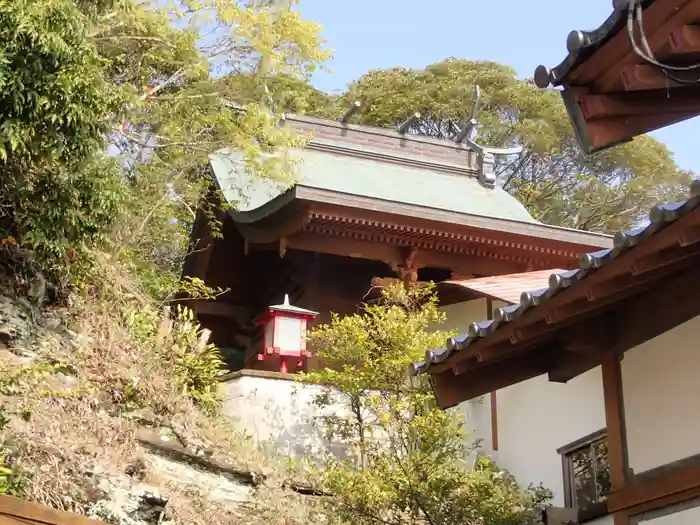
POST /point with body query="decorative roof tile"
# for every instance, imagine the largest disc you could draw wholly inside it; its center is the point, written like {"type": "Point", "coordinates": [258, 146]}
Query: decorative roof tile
{"type": "Point", "coordinates": [659, 217]}
{"type": "Point", "coordinates": [582, 44]}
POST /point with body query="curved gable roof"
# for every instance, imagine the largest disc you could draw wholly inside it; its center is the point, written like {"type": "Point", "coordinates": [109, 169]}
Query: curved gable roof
{"type": "Point", "coordinates": [442, 187]}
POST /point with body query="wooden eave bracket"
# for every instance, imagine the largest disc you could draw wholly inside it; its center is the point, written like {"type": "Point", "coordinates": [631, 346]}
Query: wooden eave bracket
{"type": "Point", "coordinates": [265, 232]}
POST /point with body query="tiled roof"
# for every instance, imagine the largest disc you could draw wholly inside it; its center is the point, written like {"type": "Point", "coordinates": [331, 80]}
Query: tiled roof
{"type": "Point", "coordinates": [349, 175]}
{"type": "Point", "coordinates": [659, 217]}
{"type": "Point", "coordinates": [582, 44]}
{"type": "Point", "coordinates": [507, 288]}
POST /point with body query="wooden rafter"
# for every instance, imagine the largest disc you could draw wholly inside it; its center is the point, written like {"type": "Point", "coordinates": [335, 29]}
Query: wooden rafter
{"type": "Point", "coordinates": [616, 51]}
{"type": "Point", "coordinates": [683, 44]}
{"type": "Point", "coordinates": [660, 19]}
{"type": "Point", "coordinates": [615, 95]}
{"type": "Point", "coordinates": [633, 322]}
{"type": "Point", "coordinates": [608, 131]}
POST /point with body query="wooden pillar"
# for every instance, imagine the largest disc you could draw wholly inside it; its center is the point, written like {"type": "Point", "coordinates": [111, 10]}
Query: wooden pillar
{"type": "Point", "coordinates": [621, 518]}
{"type": "Point", "coordinates": [494, 421]}
{"type": "Point", "coordinates": [493, 398]}
{"type": "Point", "coordinates": [615, 422]}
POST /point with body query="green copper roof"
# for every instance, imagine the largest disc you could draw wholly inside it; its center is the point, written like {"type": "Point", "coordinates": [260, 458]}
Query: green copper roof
{"type": "Point", "coordinates": [369, 178]}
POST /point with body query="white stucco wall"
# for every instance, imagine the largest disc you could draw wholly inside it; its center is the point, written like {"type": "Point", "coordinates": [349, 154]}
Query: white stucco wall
{"type": "Point", "coordinates": [534, 417]}
{"type": "Point", "coordinates": [661, 389]}
{"type": "Point", "coordinates": [280, 413]}
{"type": "Point", "coordinates": [476, 414]}
{"type": "Point", "coordinates": [537, 417]}
{"type": "Point", "coordinates": [461, 315]}
{"type": "Point", "coordinates": [690, 516]}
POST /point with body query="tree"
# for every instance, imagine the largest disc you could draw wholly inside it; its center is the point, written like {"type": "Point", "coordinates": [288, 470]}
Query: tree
{"type": "Point", "coordinates": [408, 465]}
{"type": "Point", "coordinates": [607, 191]}
{"type": "Point", "coordinates": [153, 83]}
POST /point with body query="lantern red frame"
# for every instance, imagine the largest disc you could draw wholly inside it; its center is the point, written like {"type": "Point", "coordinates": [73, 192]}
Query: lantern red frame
{"type": "Point", "coordinates": [285, 311]}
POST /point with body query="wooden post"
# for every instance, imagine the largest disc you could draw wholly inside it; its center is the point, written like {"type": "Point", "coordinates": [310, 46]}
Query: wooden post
{"type": "Point", "coordinates": [493, 401]}
{"type": "Point", "coordinates": [615, 419]}
{"type": "Point", "coordinates": [615, 422]}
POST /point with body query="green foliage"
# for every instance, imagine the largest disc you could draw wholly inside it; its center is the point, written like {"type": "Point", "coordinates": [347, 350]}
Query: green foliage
{"type": "Point", "coordinates": [606, 191]}
{"type": "Point", "coordinates": [286, 93]}
{"type": "Point", "coordinates": [56, 190]}
{"type": "Point", "coordinates": [195, 364]}
{"type": "Point", "coordinates": [77, 77]}
{"type": "Point", "coordinates": [16, 381]}
{"type": "Point", "coordinates": [409, 462]}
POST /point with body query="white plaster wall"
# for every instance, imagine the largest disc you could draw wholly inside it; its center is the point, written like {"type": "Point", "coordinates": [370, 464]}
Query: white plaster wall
{"type": "Point", "coordinates": [476, 413]}
{"type": "Point", "coordinates": [280, 413]}
{"type": "Point", "coordinates": [661, 389]}
{"type": "Point", "coordinates": [684, 517]}
{"type": "Point", "coordinates": [461, 315]}
{"type": "Point", "coordinates": [537, 417]}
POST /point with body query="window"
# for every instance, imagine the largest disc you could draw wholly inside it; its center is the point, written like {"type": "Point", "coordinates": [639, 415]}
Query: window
{"type": "Point", "coordinates": [587, 475]}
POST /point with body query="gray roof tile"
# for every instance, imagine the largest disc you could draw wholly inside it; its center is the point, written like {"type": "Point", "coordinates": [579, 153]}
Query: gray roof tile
{"type": "Point", "coordinates": [659, 217]}
{"type": "Point", "coordinates": [582, 44]}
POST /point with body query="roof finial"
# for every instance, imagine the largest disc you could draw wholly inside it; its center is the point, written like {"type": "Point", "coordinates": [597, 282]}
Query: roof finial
{"type": "Point", "coordinates": [486, 154]}
{"type": "Point", "coordinates": [469, 131]}
{"type": "Point", "coordinates": [345, 117]}
{"type": "Point", "coordinates": [406, 124]}
{"type": "Point", "coordinates": [286, 300]}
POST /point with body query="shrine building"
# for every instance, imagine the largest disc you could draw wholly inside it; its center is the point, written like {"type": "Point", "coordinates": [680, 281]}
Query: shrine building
{"type": "Point", "coordinates": [370, 205]}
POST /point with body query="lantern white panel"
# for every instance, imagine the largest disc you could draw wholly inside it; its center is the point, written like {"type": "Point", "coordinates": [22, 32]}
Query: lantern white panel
{"type": "Point", "coordinates": [288, 334]}
{"type": "Point", "coordinates": [269, 334]}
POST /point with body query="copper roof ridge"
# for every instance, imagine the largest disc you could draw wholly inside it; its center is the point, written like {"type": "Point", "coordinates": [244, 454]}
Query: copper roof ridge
{"type": "Point", "coordinates": [376, 130]}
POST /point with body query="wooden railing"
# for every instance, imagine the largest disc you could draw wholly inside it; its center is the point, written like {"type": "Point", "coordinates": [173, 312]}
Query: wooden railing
{"type": "Point", "coordinates": [14, 511]}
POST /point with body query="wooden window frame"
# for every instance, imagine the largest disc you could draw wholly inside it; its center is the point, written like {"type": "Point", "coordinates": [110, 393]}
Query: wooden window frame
{"type": "Point", "coordinates": [595, 511]}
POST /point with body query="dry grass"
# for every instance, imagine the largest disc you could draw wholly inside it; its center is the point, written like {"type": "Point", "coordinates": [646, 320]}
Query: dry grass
{"type": "Point", "coordinates": [76, 407]}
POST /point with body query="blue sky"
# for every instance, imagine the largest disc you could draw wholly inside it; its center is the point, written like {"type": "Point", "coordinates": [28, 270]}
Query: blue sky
{"type": "Point", "coordinates": [372, 34]}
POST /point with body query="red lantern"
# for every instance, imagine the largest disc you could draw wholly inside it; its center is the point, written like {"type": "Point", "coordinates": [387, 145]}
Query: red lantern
{"type": "Point", "coordinates": [285, 334]}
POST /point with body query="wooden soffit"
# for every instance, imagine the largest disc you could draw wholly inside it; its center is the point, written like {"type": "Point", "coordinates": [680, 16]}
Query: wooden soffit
{"type": "Point", "coordinates": [612, 94]}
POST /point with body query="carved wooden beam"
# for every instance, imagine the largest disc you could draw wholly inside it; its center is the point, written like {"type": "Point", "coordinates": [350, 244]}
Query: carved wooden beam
{"type": "Point", "coordinates": [392, 256]}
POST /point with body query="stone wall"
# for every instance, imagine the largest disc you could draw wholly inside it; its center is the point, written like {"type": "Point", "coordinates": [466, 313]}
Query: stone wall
{"type": "Point", "coordinates": [280, 413]}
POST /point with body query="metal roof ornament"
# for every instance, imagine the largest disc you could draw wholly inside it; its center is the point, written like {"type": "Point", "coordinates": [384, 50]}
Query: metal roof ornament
{"type": "Point", "coordinates": [352, 109]}
{"type": "Point", "coordinates": [486, 154]}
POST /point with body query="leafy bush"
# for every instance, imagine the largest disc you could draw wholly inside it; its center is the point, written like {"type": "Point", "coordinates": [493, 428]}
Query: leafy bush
{"type": "Point", "coordinates": [57, 192]}
{"type": "Point", "coordinates": [410, 460]}
{"type": "Point", "coordinates": [195, 364]}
